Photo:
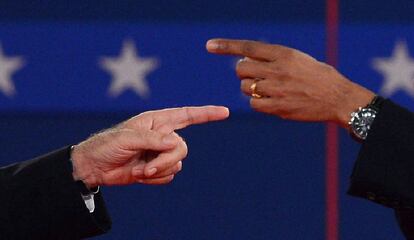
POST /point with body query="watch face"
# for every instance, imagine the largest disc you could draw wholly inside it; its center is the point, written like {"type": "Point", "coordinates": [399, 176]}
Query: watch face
{"type": "Point", "coordinates": [361, 121]}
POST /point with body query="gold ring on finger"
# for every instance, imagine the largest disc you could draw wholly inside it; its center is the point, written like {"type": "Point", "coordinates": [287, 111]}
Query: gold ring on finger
{"type": "Point", "coordinates": [253, 88]}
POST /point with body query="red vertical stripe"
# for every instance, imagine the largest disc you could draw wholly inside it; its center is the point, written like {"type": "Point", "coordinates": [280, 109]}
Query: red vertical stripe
{"type": "Point", "coordinates": [332, 158]}
{"type": "Point", "coordinates": [332, 208]}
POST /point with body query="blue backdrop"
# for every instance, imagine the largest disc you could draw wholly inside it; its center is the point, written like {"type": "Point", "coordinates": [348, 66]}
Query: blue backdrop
{"type": "Point", "coordinates": [251, 177]}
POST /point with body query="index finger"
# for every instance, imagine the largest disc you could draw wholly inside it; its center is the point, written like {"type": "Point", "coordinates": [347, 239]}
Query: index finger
{"type": "Point", "coordinates": [252, 49]}
{"type": "Point", "coordinates": [177, 118]}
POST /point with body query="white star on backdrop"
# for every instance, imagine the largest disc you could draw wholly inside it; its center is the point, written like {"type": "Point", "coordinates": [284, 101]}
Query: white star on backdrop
{"type": "Point", "coordinates": [128, 70]}
{"type": "Point", "coordinates": [8, 66]}
{"type": "Point", "coordinates": [398, 71]}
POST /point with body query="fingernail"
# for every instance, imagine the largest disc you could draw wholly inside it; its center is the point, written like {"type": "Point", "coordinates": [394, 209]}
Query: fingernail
{"type": "Point", "coordinates": [140, 181]}
{"type": "Point", "coordinates": [169, 139]}
{"type": "Point", "coordinates": [227, 111]}
{"type": "Point", "coordinates": [211, 44]}
{"type": "Point", "coordinates": [180, 166]}
{"type": "Point", "coordinates": [151, 172]}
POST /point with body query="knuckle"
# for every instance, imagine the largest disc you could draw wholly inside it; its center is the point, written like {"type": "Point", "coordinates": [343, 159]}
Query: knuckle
{"type": "Point", "coordinates": [141, 116]}
{"type": "Point", "coordinates": [189, 114]}
{"type": "Point", "coordinates": [222, 45]}
{"type": "Point", "coordinates": [248, 47]}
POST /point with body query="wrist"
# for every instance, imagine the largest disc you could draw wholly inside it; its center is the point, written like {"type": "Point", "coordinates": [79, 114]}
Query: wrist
{"type": "Point", "coordinates": [83, 169]}
{"type": "Point", "coordinates": [356, 96]}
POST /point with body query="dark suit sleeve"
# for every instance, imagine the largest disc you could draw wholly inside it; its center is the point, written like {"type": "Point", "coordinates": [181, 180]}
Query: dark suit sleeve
{"type": "Point", "coordinates": [384, 169]}
{"type": "Point", "coordinates": [40, 200]}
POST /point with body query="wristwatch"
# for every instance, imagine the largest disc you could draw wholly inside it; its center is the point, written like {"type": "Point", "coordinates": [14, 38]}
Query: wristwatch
{"type": "Point", "coordinates": [362, 119]}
